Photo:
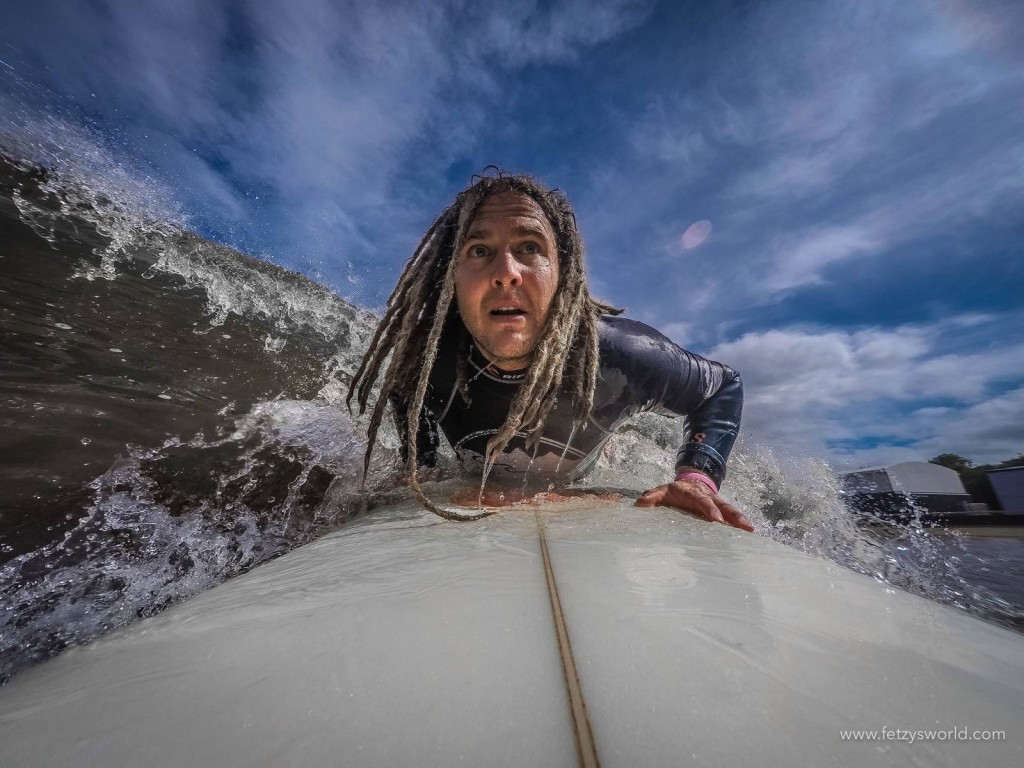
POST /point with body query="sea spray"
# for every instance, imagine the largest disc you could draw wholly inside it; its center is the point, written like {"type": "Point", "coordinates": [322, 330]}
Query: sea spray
{"type": "Point", "coordinates": [175, 416]}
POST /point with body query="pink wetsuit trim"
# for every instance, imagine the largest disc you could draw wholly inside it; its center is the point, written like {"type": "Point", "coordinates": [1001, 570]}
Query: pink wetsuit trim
{"type": "Point", "coordinates": [700, 478]}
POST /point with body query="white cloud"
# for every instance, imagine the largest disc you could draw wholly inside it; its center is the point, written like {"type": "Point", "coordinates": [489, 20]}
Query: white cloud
{"type": "Point", "coordinates": [678, 332]}
{"type": "Point", "coordinates": [528, 31]}
{"type": "Point", "coordinates": [800, 258]}
{"type": "Point", "coordinates": [987, 432]}
{"type": "Point", "coordinates": [663, 134]}
{"type": "Point", "coordinates": [806, 388]}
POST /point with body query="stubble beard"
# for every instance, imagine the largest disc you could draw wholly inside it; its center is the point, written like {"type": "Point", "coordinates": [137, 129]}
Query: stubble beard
{"type": "Point", "coordinates": [522, 350]}
{"type": "Point", "coordinates": [514, 350]}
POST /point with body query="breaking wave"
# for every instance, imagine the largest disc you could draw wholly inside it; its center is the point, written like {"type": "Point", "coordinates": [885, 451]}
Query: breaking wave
{"type": "Point", "coordinates": [174, 415]}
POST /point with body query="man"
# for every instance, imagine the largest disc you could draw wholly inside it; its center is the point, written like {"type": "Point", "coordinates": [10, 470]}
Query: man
{"type": "Point", "coordinates": [493, 336]}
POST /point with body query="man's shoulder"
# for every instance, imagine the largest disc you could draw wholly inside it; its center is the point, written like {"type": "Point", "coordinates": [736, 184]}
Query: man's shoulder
{"type": "Point", "coordinates": [623, 336]}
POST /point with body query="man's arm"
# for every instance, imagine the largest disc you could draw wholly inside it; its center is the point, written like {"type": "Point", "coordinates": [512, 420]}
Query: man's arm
{"type": "Point", "coordinates": [714, 423]}
{"type": "Point", "coordinates": [700, 461]}
{"type": "Point", "coordinates": [668, 379]}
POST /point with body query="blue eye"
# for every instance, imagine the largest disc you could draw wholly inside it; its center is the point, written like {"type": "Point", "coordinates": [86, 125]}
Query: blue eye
{"type": "Point", "coordinates": [530, 248]}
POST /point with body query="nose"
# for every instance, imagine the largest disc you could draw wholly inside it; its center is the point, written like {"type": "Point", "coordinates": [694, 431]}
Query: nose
{"type": "Point", "coordinates": [507, 271]}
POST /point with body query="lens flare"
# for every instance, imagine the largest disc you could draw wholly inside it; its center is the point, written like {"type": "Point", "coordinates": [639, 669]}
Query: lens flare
{"type": "Point", "coordinates": [695, 234]}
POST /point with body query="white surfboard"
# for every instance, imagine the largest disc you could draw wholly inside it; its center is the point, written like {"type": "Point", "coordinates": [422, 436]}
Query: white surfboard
{"type": "Point", "coordinates": [582, 633]}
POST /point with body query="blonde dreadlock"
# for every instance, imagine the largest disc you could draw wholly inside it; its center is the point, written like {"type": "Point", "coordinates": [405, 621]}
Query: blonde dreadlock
{"type": "Point", "coordinates": [420, 308]}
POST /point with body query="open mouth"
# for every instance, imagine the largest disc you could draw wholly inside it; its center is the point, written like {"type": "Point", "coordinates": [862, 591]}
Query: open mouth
{"type": "Point", "coordinates": [507, 312]}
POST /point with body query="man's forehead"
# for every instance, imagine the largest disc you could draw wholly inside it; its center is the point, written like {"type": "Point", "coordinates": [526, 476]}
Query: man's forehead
{"type": "Point", "coordinates": [502, 205]}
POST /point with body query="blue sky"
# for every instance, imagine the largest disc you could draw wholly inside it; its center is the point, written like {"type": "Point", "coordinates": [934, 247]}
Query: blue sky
{"type": "Point", "coordinates": [826, 195]}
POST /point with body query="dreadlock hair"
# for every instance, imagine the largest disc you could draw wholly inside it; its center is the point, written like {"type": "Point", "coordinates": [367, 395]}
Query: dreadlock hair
{"type": "Point", "coordinates": [420, 310]}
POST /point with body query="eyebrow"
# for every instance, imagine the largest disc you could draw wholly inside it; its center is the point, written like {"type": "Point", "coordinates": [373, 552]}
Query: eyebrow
{"type": "Point", "coordinates": [520, 231]}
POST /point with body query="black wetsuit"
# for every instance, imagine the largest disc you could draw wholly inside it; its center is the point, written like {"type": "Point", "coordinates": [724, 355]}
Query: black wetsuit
{"type": "Point", "coordinates": [641, 370]}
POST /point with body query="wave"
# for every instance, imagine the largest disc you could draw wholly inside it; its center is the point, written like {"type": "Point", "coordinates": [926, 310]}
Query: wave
{"type": "Point", "coordinates": [173, 414]}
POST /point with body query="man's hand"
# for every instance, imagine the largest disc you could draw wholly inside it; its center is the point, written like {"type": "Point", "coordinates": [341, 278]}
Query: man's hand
{"type": "Point", "coordinates": [693, 496]}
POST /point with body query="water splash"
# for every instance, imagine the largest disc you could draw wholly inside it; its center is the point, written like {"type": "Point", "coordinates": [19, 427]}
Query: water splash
{"type": "Point", "coordinates": [166, 523]}
{"type": "Point", "coordinates": [797, 501]}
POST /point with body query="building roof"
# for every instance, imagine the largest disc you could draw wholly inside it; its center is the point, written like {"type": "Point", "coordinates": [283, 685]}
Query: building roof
{"type": "Point", "coordinates": [906, 477]}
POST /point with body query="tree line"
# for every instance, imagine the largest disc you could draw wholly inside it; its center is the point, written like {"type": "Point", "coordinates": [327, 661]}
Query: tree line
{"type": "Point", "coordinates": [975, 478]}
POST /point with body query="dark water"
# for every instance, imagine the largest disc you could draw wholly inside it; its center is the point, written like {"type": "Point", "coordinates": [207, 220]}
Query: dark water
{"type": "Point", "coordinates": [172, 415]}
{"type": "Point", "coordinates": [164, 415]}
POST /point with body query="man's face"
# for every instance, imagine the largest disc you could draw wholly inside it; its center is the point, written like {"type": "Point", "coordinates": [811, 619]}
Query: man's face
{"type": "Point", "coordinates": [506, 277]}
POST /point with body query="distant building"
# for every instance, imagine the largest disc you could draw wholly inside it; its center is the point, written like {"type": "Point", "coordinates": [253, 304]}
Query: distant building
{"type": "Point", "coordinates": [896, 490]}
{"type": "Point", "coordinates": [1009, 487]}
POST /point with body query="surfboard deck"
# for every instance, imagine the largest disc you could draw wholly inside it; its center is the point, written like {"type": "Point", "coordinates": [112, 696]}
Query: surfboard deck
{"type": "Point", "coordinates": [402, 639]}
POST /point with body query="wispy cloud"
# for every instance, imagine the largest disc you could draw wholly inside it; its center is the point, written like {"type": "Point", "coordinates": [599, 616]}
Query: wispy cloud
{"type": "Point", "coordinates": [299, 119]}
{"type": "Point", "coordinates": [824, 139]}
